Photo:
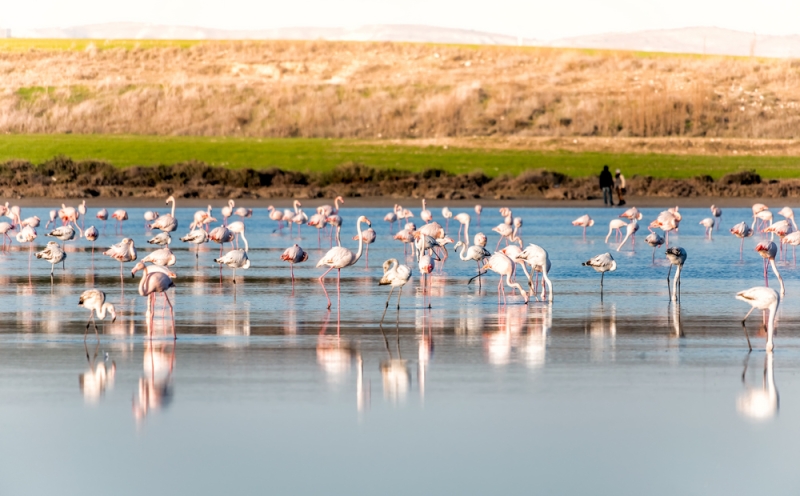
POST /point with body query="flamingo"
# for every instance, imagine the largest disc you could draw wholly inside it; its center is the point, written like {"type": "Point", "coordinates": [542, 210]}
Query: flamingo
{"type": "Point", "coordinates": [196, 237]}
{"type": "Point", "coordinates": [30, 221]}
{"type": "Point", "coordinates": [152, 283]}
{"type": "Point", "coordinates": [95, 302]}
{"type": "Point", "coordinates": [615, 224]}
{"type": "Point", "coordinates": [676, 256]}
{"type": "Point", "coordinates": [162, 257]}
{"type": "Point", "coordinates": [319, 221]}
{"type": "Point", "coordinates": [243, 212]}
{"type": "Point", "coordinates": [768, 252]}
{"type": "Point", "coordinates": [741, 231]}
{"type": "Point", "coordinates": [717, 213]}
{"type": "Point", "coordinates": [655, 240]}
{"type": "Point", "coordinates": [423, 243]}
{"type": "Point", "coordinates": [463, 219]}
{"type": "Point", "coordinates": [235, 259]}
{"type": "Point", "coordinates": [53, 254]}
{"type": "Point", "coordinates": [602, 264]}
{"type": "Point", "coordinates": [630, 232]}
{"type": "Point", "coordinates": [761, 298]}
{"type": "Point", "coordinates": [339, 258]}
{"type": "Point", "coordinates": [788, 214]}
{"type": "Point", "coordinates": [478, 210]}
{"type": "Point", "coordinates": [91, 234]}
{"type": "Point", "coordinates": [792, 239]}
{"type": "Point", "coordinates": [666, 221]}
{"type": "Point", "coordinates": [757, 209]}
{"type": "Point", "coordinates": [124, 251]}
{"type": "Point", "coordinates": [369, 237]}
{"type": "Point", "coordinates": [474, 252]}
{"type": "Point", "coordinates": [221, 235]}
{"type": "Point", "coordinates": [67, 214]}
{"type": "Point", "coordinates": [480, 239]}
{"type": "Point", "coordinates": [294, 254]}
{"type": "Point", "coordinates": [102, 214]}
{"type": "Point", "coordinates": [299, 218]}
{"type": "Point", "coordinates": [27, 235]}
{"type": "Point", "coordinates": [274, 214]}
{"type": "Point", "coordinates": [406, 236]}
{"type": "Point", "coordinates": [120, 216]}
{"type": "Point", "coordinates": [199, 217]}
{"type": "Point", "coordinates": [426, 265]}
{"type": "Point", "coordinates": [328, 210]}
{"type": "Point", "coordinates": [167, 222]}
{"type": "Point", "coordinates": [227, 211]}
{"type": "Point", "coordinates": [708, 223]}
{"type": "Point", "coordinates": [82, 212]}
{"type": "Point", "coordinates": [425, 214]}
{"type": "Point", "coordinates": [335, 220]}
{"type": "Point", "coordinates": [53, 217]}
{"type": "Point", "coordinates": [288, 215]}
{"type": "Point", "coordinates": [64, 233]}
{"type": "Point", "coordinates": [395, 275]}
{"type": "Point", "coordinates": [162, 238]}
{"type": "Point", "coordinates": [446, 215]}
{"type": "Point", "coordinates": [539, 260]}
{"type": "Point", "coordinates": [506, 232]}
{"type": "Point", "coordinates": [583, 221]}
{"type": "Point", "coordinates": [238, 229]}
{"type": "Point", "coordinates": [391, 218]}
{"type": "Point", "coordinates": [4, 228]}
{"type": "Point", "coordinates": [632, 213]}
{"type": "Point", "coordinates": [504, 266]}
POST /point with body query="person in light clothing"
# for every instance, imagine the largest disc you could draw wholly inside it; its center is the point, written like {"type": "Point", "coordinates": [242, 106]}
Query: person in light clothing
{"type": "Point", "coordinates": [619, 185]}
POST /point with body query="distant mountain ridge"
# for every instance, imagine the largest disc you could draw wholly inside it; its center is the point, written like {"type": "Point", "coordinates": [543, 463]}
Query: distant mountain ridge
{"type": "Point", "coordinates": [700, 40]}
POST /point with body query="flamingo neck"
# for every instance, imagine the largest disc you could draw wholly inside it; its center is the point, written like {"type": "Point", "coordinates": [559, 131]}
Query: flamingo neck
{"type": "Point", "coordinates": [246, 246]}
{"type": "Point", "coordinates": [360, 243]}
{"type": "Point", "coordinates": [777, 274]}
{"type": "Point", "coordinates": [102, 313]}
{"type": "Point", "coordinates": [773, 309]}
{"type": "Point", "coordinates": [516, 285]}
{"type": "Point", "coordinates": [462, 254]}
{"type": "Point", "coordinates": [173, 208]}
{"type": "Point", "coordinates": [336, 204]}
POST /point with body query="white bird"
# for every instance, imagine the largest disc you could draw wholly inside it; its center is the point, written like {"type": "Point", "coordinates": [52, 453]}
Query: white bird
{"type": "Point", "coordinates": [53, 253]}
{"type": "Point", "coordinates": [227, 211]}
{"type": "Point", "coordinates": [788, 214]}
{"type": "Point", "coordinates": [426, 265]}
{"type": "Point", "coordinates": [504, 266]}
{"type": "Point", "coordinates": [243, 212]}
{"type": "Point", "coordinates": [235, 259]}
{"type": "Point", "coordinates": [91, 234]}
{"type": "Point", "coordinates": [768, 251]}
{"type": "Point", "coordinates": [602, 264]}
{"type": "Point", "coordinates": [221, 235]}
{"type": "Point", "coordinates": [339, 258]}
{"type": "Point", "coordinates": [708, 223]}
{"type": "Point", "coordinates": [238, 229]}
{"type": "Point", "coordinates": [397, 276]}
{"type": "Point", "coordinates": [676, 256]}
{"type": "Point", "coordinates": [162, 257]}
{"type": "Point", "coordinates": [95, 302]}
{"type": "Point", "coordinates": [632, 213]}
{"type": "Point", "coordinates": [425, 214]}
{"type": "Point", "coordinates": [53, 217]}
{"type": "Point", "coordinates": [447, 215]}
{"type": "Point", "coordinates": [124, 251]}
{"type": "Point", "coordinates": [162, 238]}
{"type": "Point", "coordinates": [761, 298]}
{"type": "Point", "coordinates": [5, 227]}
{"type": "Point", "coordinates": [583, 221]}
{"type": "Point", "coordinates": [149, 216]}
{"type": "Point", "coordinates": [64, 233]}
{"type": "Point", "coordinates": [31, 221]}
{"type": "Point", "coordinates": [792, 239]}
{"type": "Point", "coordinates": [294, 254]}
{"type": "Point", "coordinates": [630, 232]}
{"type": "Point", "coordinates": [615, 224]}
{"type": "Point", "coordinates": [196, 237]}
{"type": "Point", "coordinates": [741, 231]}
{"type": "Point", "coordinates": [463, 219]}
{"type": "Point", "coordinates": [717, 213]}
{"type": "Point", "coordinates": [539, 260]}
{"type": "Point", "coordinates": [166, 222]}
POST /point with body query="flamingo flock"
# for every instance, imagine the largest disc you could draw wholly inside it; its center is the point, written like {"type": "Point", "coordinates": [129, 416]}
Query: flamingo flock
{"type": "Point", "coordinates": [428, 245]}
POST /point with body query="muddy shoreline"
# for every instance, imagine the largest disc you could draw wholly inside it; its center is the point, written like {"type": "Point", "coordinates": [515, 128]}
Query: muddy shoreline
{"type": "Point", "coordinates": [194, 182]}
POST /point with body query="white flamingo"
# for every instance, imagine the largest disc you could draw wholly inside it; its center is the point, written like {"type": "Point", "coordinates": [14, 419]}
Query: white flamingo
{"type": "Point", "coordinates": [761, 298]}
{"type": "Point", "coordinates": [339, 258]}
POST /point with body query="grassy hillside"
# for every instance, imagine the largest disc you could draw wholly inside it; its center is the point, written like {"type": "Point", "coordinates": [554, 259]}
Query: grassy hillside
{"type": "Point", "coordinates": [317, 89]}
{"type": "Point", "coordinates": [313, 155]}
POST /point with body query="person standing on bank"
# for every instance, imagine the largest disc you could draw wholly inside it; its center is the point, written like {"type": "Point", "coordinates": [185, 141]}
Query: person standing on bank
{"type": "Point", "coordinates": [619, 184]}
{"type": "Point", "coordinates": [606, 183]}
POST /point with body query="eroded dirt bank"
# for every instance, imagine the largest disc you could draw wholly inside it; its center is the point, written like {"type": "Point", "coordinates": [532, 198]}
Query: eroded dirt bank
{"type": "Point", "coordinates": [64, 178]}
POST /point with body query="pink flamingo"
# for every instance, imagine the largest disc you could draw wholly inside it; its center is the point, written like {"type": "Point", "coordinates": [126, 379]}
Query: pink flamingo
{"type": "Point", "coordinates": [120, 216]}
{"type": "Point", "coordinates": [447, 215]}
{"type": "Point", "coordinates": [391, 218]}
{"type": "Point", "coordinates": [425, 214]}
{"type": "Point", "coordinates": [763, 299]}
{"type": "Point", "coordinates": [227, 211]}
{"type": "Point", "coordinates": [655, 240]}
{"type": "Point", "coordinates": [294, 254]}
{"type": "Point", "coordinates": [583, 221]}
{"type": "Point", "coordinates": [463, 219]}
{"type": "Point", "coordinates": [275, 215]}
{"type": "Point", "coordinates": [124, 251]}
{"type": "Point", "coordinates": [501, 264]}
{"type": "Point", "coordinates": [426, 266]}
{"type": "Point", "coordinates": [339, 258]}
{"type": "Point", "coordinates": [152, 283]}
{"type": "Point", "coordinates": [397, 276]}
{"type": "Point", "coordinates": [788, 214]}
{"type": "Point", "coordinates": [717, 213]}
{"type": "Point", "coordinates": [91, 234]}
{"type": "Point", "coordinates": [794, 240]}
{"type": "Point", "coordinates": [768, 252]}
{"type": "Point", "coordinates": [615, 224]}
{"type": "Point", "coordinates": [708, 223]}
{"type": "Point", "coordinates": [741, 231]}
{"type": "Point", "coordinates": [478, 210]}
{"type": "Point", "coordinates": [166, 222]}
{"type": "Point", "coordinates": [221, 235]}
{"type": "Point", "coordinates": [369, 237]}
{"type": "Point", "coordinates": [53, 217]}
{"type": "Point", "coordinates": [630, 232]}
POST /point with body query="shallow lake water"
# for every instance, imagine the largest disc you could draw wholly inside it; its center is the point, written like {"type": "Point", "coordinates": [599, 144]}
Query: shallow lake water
{"type": "Point", "coordinates": [266, 390]}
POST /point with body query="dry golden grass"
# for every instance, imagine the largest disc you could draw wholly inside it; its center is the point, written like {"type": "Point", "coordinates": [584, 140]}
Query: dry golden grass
{"type": "Point", "coordinates": [390, 90]}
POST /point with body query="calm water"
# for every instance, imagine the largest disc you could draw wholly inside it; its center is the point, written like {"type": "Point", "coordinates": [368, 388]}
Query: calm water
{"type": "Point", "coordinates": [266, 390]}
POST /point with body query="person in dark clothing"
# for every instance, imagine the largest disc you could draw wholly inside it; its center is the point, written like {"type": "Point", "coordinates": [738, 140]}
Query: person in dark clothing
{"type": "Point", "coordinates": [606, 183]}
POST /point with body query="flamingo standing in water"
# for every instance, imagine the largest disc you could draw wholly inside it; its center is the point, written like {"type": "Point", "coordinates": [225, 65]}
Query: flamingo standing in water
{"type": "Point", "coordinates": [395, 275]}
{"type": "Point", "coordinates": [82, 212]}
{"type": "Point", "coordinates": [369, 237]}
{"type": "Point", "coordinates": [792, 239]}
{"type": "Point", "coordinates": [197, 237]}
{"type": "Point", "coordinates": [425, 214]}
{"type": "Point", "coordinates": [583, 221]}
{"type": "Point", "coordinates": [463, 219]}
{"type": "Point", "coordinates": [391, 218]}
{"type": "Point", "coordinates": [500, 264]}
{"type": "Point", "coordinates": [235, 259]}
{"type": "Point", "coordinates": [5, 227]}
{"type": "Point", "coordinates": [120, 216]}
{"type": "Point", "coordinates": [666, 221]}
{"type": "Point", "coordinates": [758, 208]}
{"type": "Point", "coordinates": [474, 252]}
{"type": "Point", "coordinates": [328, 210]}
{"type": "Point", "coordinates": [95, 302]}
{"type": "Point", "coordinates": [64, 233]}
{"type": "Point", "coordinates": [655, 240]}
{"type": "Point", "coordinates": [478, 210]}
{"type": "Point", "coordinates": [708, 223]}
{"type": "Point", "coordinates": [30, 221]}
{"type": "Point", "coordinates": [761, 298]}
{"type": "Point", "coordinates": [91, 234]}
{"type": "Point", "coordinates": [53, 254]}
{"type": "Point", "coordinates": [124, 251]}
{"type": "Point", "coordinates": [446, 215]}
{"type": "Point", "coordinates": [788, 214]}
{"type": "Point", "coordinates": [149, 216]}
{"type": "Point", "coordinates": [238, 229]}
{"type": "Point", "coordinates": [426, 267]}
{"type": "Point", "coordinates": [676, 256]}
{"type": "Point", "coordinates": [294, 254]}
{"type": "Point", "coordinates": [274, 214]}
{"type": "Point", "coordinates": [152, 283]}
{"type": "Point", "coordinates": [630, 232]}
{"type": "Point", "coordinates": [102, 214]}
{"type": "Point", "coordinates": [741, 231]}
{"type": "Point", "coordinates": [768, 252]}
{"type": "Point", "coordinates": [166, 222]}
{"type": "Point", "coordinates": [53, 217]}
{"type": "Point", "coordinates": [602, 263]}
{"type": "Point", "coordinates": [339, 258]}
{"type": "Point", "coordinates": [539, 260]}
{"type": "Point", "coordinates": [221, 235]}
{"type": "Point", "coordinates": [717, 213]}
{"type": "Point", "coordinates": [615, 224]}
{"type": "Point", "coordinates": [243, 212]}
{"type": "Point", "coordinates": [319, 221]}
{"type": "Point", "coordinates": [162, 257]}
{"type": "Point", "coordinates": [632, 213]}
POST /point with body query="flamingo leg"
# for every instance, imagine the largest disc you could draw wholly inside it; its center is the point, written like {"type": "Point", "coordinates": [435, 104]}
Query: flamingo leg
{"type": "Point", "coordinates": [745, 328]}
{"type": "Point", "coordinates": [387, 303]}
{"type": "Point", "coordinates": [399, 293]}
{"type": "Point", "coordinates": [669, 290]}
{"type": "Point", "coordinates": [172, 314]}
{"type": "Point", "coordinates": [322, 282]}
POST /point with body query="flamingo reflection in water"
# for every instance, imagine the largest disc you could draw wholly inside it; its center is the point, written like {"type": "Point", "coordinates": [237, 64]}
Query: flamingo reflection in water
{"type": "Point", "coordinates": [759, 403]}
{"type": "Point", "coordinates": [155, 390]}
{"type": "Point", "coordinates": [98, 379]}
{"type": "Point", "coordinates": [394, 371]}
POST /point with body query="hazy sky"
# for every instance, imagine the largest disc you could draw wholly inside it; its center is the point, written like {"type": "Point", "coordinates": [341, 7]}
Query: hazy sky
{"type": "Point", "coordinates": [530, 18]}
